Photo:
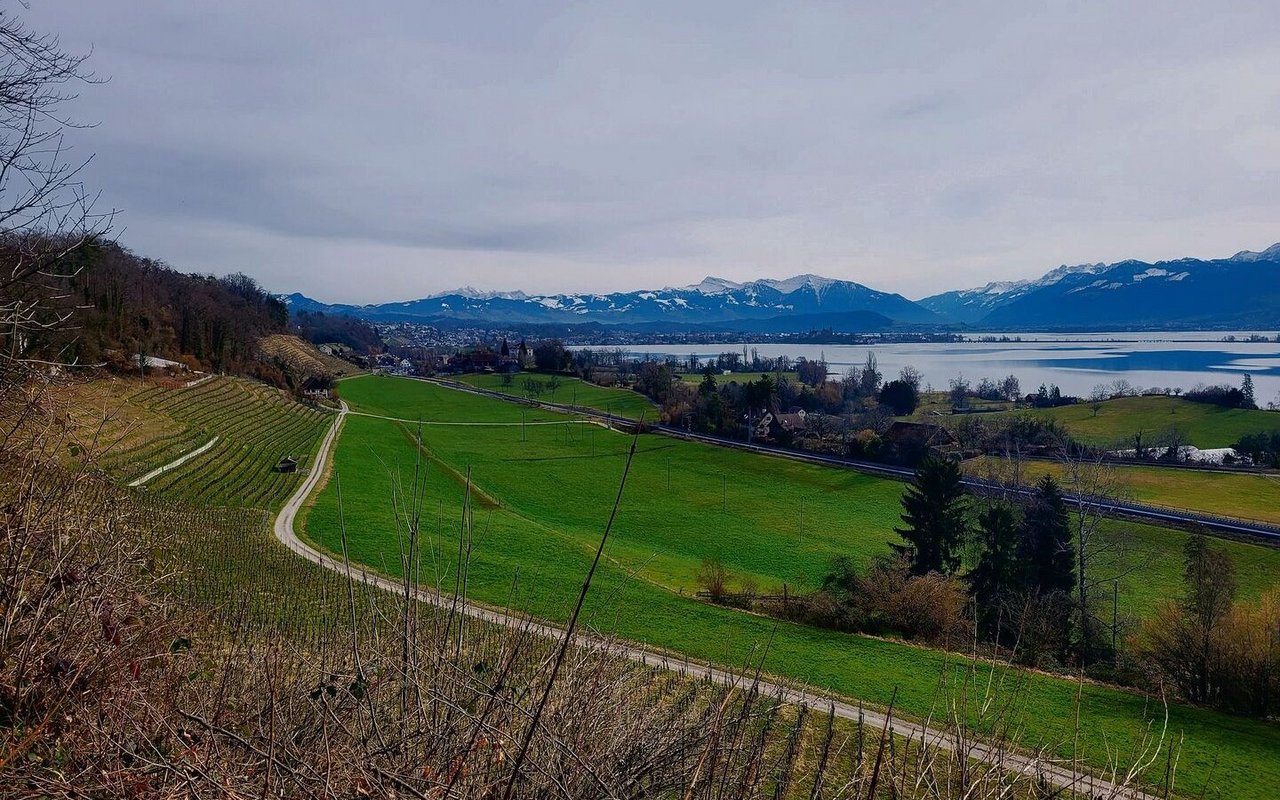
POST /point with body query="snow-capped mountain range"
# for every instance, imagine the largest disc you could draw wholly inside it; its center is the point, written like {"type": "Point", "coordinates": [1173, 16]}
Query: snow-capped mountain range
{"type": "Point", "coordinates": [713, 301]}
{"type": "Point", "coordinates": [1243, 290]}
{"type": "Point", "coordinates": [1240, 291]}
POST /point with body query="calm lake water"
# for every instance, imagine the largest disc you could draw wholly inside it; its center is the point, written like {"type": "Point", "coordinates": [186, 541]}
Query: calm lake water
{"type": "Point", "coordinates": [1075, 362]}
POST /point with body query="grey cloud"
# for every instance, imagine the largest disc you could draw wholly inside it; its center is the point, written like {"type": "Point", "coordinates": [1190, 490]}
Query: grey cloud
{"type": "Point", "coordinates": [547, 146]}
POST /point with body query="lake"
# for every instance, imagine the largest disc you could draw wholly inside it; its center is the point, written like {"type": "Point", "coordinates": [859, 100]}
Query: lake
{"type": "Point", "coordinates": [1075, 362]}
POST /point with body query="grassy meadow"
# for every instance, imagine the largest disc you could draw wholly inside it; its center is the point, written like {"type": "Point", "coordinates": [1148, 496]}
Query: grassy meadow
{"type": "Point", "coordinates": [1201, 424]}
{"type": "Point", "coordinates": [738, 377]}
{"type": "Point", "coordinates": [545, 493]}
{"type": "Point", "coordinates": [1242, 495]}
{"type": "Point", "coordinates": [572, 391]}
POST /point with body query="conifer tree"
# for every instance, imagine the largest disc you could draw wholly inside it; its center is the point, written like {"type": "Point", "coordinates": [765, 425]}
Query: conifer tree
{"type": "Point", "coordinates": [1046, 550]}
{"type": "Point", "coordinates": [996, 577]}
{"type": "Point", "coordinates": [934, 511]}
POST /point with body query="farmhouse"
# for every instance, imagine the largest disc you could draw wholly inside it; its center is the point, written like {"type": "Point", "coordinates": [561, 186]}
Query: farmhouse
{"type": "Point", "coordinates": [919, 434]}
{"type": "Point", "coordinates": [788, 422]}
{"type": "Point", "coordinates": [318, 387]}
{"type": "Point", "coordinates": [286, 464]}
{"type": "Point", "coordinates": [792, 422]}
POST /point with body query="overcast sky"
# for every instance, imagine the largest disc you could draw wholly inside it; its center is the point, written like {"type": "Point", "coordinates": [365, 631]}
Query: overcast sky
{"type": "Point", "coordinates": [386, 150]}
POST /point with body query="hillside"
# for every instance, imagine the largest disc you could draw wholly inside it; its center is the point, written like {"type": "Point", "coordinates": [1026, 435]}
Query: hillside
{"type": "Point", "coordinates": [303, 358]}
{"type": "Point", "coordinates": [126, 305]}
{"type": "Point", "coordinates": [1202, 425]}
{"type": "Point", "coordinates": [231, 431]}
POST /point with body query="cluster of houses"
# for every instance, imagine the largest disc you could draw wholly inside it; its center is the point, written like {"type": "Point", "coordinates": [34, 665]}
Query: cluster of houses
{"type": "Point", "coordinates": [504, 359]}
{"type": "Point", "coordinates": [477, 359]}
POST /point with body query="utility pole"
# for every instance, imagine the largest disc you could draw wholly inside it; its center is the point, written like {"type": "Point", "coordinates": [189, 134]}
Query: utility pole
{"type": "Point", "coordinates": [724, 492]}
{"type": "Point", "coordinates": [668, 473]}
{"type": "Point", "coordinates": [1115, 615]}
{"type": "Point", "coordinates": [522, 429]}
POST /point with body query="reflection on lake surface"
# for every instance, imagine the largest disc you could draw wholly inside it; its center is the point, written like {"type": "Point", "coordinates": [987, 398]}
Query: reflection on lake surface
{"type": "Point", "coordinates": [1075, 362]}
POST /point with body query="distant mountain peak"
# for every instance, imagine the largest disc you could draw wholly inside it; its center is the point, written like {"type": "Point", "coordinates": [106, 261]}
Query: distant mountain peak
{"type": "Point", "coordinates": [811, 298]}
{"type": "Point", "coordinates": [797, 282]}
{"type": "Point", "coordinates": [1239, 292]}
{"type": "Point", "coordinates": [1272, 253]}
{"type": "Point", "coordinates": [713, 285]}
{"type": "Point", "coordinates": [472, 293]}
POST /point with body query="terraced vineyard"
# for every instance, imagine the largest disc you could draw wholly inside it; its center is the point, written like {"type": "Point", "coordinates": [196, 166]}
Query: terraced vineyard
{"type": "Point", "coordinates": [128, 428]}
{"type": "Point", "coordinates": [304, 357]}
{"type": "Point", "coordinates": [256, 426]}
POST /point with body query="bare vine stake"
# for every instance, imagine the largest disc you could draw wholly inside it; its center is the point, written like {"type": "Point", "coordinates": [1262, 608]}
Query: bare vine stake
{"type": "Point", "coordinates": [573, 621]}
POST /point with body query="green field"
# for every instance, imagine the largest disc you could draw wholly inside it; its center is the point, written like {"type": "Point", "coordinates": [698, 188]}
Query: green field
{"type": "Point", "coordinates": [572, 391]}
{"type": "Point", "coordinates": [1200, 424]}
{"type": "Point", "coordinates": [547, 493]}
{"type": "Point", "coordinates": [738, 377]}
{"type": "Point", "coordinates": [1241, 495]}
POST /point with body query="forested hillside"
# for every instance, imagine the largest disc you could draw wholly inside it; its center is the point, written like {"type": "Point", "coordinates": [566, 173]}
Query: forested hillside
{"type": "Point", "coordinates": [134, 305]}
{"type": "Point", "coordinates": [120, 305]}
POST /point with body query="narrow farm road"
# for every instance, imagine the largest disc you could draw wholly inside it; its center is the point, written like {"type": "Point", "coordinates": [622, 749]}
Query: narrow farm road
{"type": "Point", "coordinates": [1035, 766]}
{"type": "Point", "coordinates": [177, 462]}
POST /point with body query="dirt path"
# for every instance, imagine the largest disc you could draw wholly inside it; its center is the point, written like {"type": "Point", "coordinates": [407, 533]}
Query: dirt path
{"type": "Point", "coordinates": [158, 471]}
{"type": "Point", "coordinates": [1058, 774]}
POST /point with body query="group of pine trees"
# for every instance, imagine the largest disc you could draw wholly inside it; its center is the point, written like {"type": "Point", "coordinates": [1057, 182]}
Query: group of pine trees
{"type": "Point", "coordinates": [1022, 577]}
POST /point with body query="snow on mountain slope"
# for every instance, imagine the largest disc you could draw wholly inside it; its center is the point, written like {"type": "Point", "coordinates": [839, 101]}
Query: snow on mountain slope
{"type": "Point", "coordinates": [714, 300]}
{"type": "Point", "coordinates": [1243, 290]}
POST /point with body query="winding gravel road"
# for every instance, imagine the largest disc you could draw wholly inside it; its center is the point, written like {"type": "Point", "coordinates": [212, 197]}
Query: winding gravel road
{"type": "Point", "coordinates": [1057, 773]}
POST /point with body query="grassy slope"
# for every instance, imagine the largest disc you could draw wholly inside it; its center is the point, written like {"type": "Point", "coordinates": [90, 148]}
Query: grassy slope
{"type": "Point", "coordinates": [1202, 424]}
{"type": "Point", "coordinates": [555, 496]}
{"type": "Point", "coordinates": [572, 391]}
{"type": "Point", "coordinates": [304, 357]}
{"type": "Point", "coordinates": [773, 519]}
{"type": "Point", "coordinates": [1242, 495]}
{"type": "Point", "coordinates": [738, 377]}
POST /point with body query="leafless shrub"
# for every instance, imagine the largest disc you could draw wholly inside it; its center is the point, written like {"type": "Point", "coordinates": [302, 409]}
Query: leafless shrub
{"type": "Point", "coordinates": [713, 578]}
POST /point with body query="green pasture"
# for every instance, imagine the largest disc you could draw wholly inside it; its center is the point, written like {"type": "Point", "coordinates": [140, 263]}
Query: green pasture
{"type": "Point", "coordinates": [739, 377]}
{"type": "Point", "coordinates": [1117, 421]}
{"type": "Point", "coordinates": [547, 491]}
{"type": "Point", "coordinates": [1241, 495]}
{"type": "Point", "coordinates": [571, 391]}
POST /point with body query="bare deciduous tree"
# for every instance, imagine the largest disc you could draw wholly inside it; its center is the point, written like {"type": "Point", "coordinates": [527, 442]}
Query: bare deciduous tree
{"type": "Point", "coordinates": [1094, 487]}
{"type": "Point", "coordinates": [46, 213]}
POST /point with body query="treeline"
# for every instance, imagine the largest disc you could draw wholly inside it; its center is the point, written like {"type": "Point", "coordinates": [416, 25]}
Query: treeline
{"type": "Point", "coordinates": [1263, 449]}
{"type": "Point", "coordinates": [318, 327]}
{"type": "Point", "coordinates": [1026, 577]}
{"type": "Point", "coordinates": [1225, 396]}
{"type": "Point", "coordinates": [124, 309]}
{"type": "Point", "coordinates": [1009, 571]}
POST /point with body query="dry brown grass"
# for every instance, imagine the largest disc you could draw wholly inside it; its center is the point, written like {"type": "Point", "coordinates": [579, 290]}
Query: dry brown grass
{"type": "Point", "coordinates": [303, 357]}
